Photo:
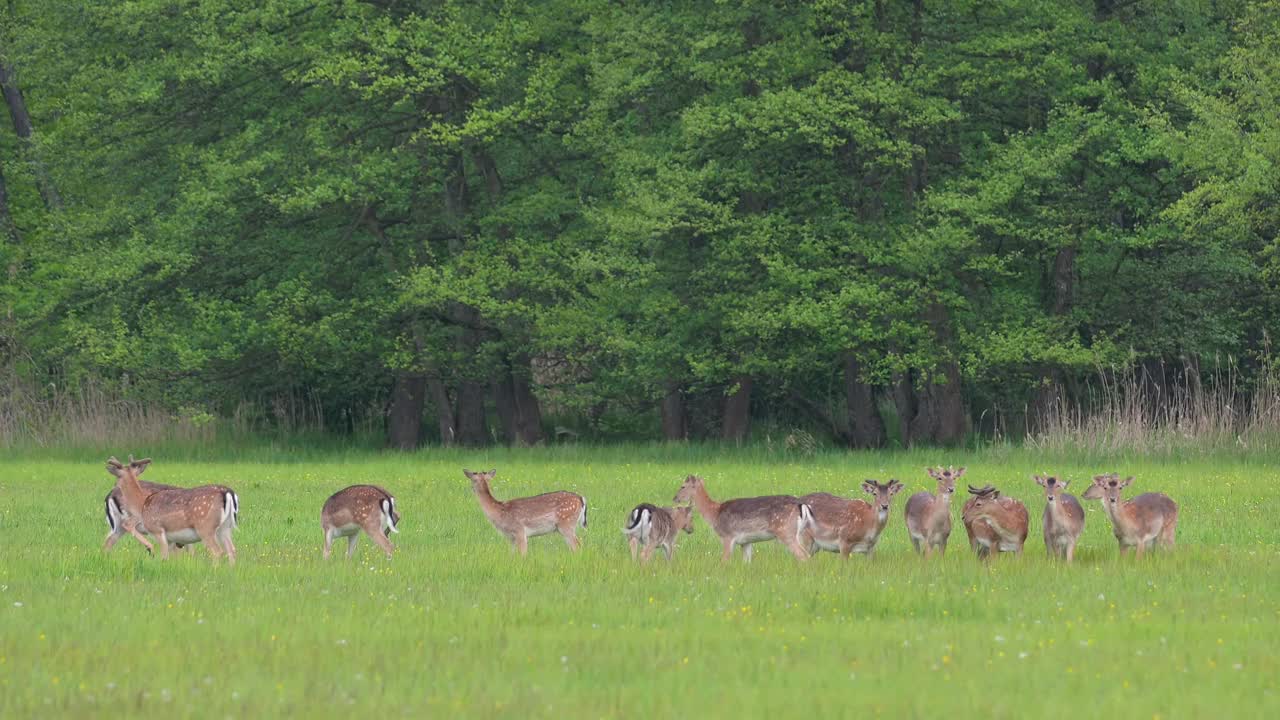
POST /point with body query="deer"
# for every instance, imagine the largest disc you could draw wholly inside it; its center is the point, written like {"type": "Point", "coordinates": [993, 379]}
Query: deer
{"type": "Point", "coordinates": [1063, 517]}
{"type": "Point", "coordinates": [114, 506]}
{"type": "Point", "coordinates": [1006, 517]}
{"type": "Point", "coordinates": [928, 516]}
{"type": "Point", "coordinates": [746, 521]}
{"type": "Point", "coordinates": [849, 526]}
{"type": "Point", "coordinates": [181, 516]}
{"type": "Point", "coordinates": [1139, 522]}
{"type": "Point", "coordinates": [359, 507]}
{"type": "Point", "coordinates": [522, 518]}
{"type": "Point", "coordinates": [650, 527]}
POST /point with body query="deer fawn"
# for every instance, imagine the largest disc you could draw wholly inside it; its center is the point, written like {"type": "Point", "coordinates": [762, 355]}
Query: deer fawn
{"type": "Point", "coordinates": [929, 516]}
{"type": "Point", "coordinates": [1007, 519]}
{"type": "Point", "coordinates": [750, 520]}
{"type": "Point", "coordinates": [181, 516]}
{"type": "Point", "coordinates": [1140, 522]}
{"type": "Point", "coordinates": [848, 526]}
{"type": "Point", "coordinates": [1063, 517]}
{"type": "Point", "coordinates": [523, 518]}
{"type": "Point", "coordinates": [356, 508]}
{"type": "Point", "coordinates": [650, 527]}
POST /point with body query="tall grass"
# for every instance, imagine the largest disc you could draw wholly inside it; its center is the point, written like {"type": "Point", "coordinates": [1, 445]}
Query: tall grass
{"type": "Point", "coordinates": [1129, 411]}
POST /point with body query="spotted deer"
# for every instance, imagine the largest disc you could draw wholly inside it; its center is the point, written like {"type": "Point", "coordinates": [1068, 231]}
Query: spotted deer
{"type": "Point", "coordinates": [928, 516]}
{"type": "Point", "coordinates": [1063, 517]}
{"type": "Point", "coordinates": [359, 507]}
{"type": "Point", "coordinates": [180, 516]}
{"type": "Point", "coordinates": [745, 521]}
{"type": "Point", "coordinates": [650, 527]}
{"type": "Point", "coordinates": [849, 525]}
{"type": "Point", "coordinates": [523, 518]}
{"type": "Point", "coordinates": [1006, 517]}
{"type": "Point", "coordinates": [1139, 522]}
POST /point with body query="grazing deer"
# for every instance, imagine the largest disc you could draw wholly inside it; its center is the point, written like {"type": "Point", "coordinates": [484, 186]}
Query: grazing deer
{"type": "Point", "coordinates": [1007, 518]}
{"type": "Point", "coordinates": [356, 508]}
{"type": "Point", "coordinates": [928, 516]}
{"type": "Point", "coordinates": [1140, 522]}
{"type": "Point", "coordinates": [848, 526]}
{"type": "Point", "coordinates": [650, 527]}
{"type": "Point", "coordinates": [750, 520]}
{"type": "Point", "coordinates": [181, 516]}
{"type": "Point", "coordinates": [1063, 517]}
{"type": "Point", "coordinates": [523, 518]}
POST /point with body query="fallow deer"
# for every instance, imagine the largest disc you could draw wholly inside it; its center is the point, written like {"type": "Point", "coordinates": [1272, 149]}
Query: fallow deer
{"type": "Point", "coordinates": [116, 515]}
{"type": "Point", "coordinates": [928, 516]}
{"type": "Point", "coordinates": [523, 518]}
{"type": "Point", "coordinates": [849, 526]}
{"type": "Point", "coordinates": [745, 521]}
{"type": "Point", "coordinates": [1063, 517]}
{"type": "Point", "coordinates": [1007, 518]}
{"type": "Point", "coordinates": [356, 508]}
{"type": "Point", "coordinates": [181, 516]}
{"type": "Point", "coordinates": [1140, 522]}
{"type": "Point", "coordinates": [650, 527]}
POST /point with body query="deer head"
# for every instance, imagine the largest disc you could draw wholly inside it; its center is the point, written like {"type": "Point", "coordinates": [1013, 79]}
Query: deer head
{"type": "Point", "coordinates": [1097, 490]}
{"type": "Point", "coordinates": [690, 489]}
{"type": "Point", "coordinates": [882, 493]}
{"type": "Point", "coordinates": [1052, 486]}
{"type": "Point", "coordinates": [683, 516]}
{"type": "Point", "coordinates": [946, 478]}
{"type": "Point", "coordinates": [479, 480]}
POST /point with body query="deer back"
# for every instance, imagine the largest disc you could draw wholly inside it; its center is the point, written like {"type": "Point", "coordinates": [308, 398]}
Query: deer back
{"type": "Point", "coordinates": [177, 509]}
{"type": "Point", "coordinates": [359, 505]}
{"type": "Point", "coordinates": [845, 517]}
{"type": "Point", "coordinates": [772, 514]}
{"type": "Point", "coordinates": [1150, 509]}
{"type": "Point", "coordinates": [560, 506]}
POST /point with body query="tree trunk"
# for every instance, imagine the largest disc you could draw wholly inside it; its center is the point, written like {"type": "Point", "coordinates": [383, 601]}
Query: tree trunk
{"type": "Point", "coordinates": [866, 428]}
{"type": "Point", "coordinates": [736, 419]}
{"type": "Point", "coordinates": [22, 126]}
{"type": "Point", "coordinates": [471, 425]}
{"type": "Point", "coordinates": [404, 418]}
{"type": "Point", "coordinates": [504, 401]}
{"type": "Point", "coordinates": [674, 422]}
{"type": "Point", "coordinates": [528, 409]}
{"type": "Point", "coordinates": [904, 400]}
{"type": "Point", "coordinates": [445, 418]}
{"type": "Point", "coordinates": [942, 403]}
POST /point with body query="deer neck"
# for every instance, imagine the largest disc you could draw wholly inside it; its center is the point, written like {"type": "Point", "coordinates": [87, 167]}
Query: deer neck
{"type": "Point", "coordinates": [709, 509]}
{"type": "Point", "coordinates": [131, 492]}
{"type": "Point", "coordinates": [1118, 513]}
{"type": "Point", "coordinates": [488, 503]}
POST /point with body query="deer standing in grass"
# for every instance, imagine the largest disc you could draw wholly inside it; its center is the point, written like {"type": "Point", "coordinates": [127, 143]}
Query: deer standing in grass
{"type": "Point", "coordinates": [356, 508]}
{"type": "Point", "coordinates": [750, 520]}
{"type": "Point", "coordinates": [849, 526]}
{"type": "Point", "coordinates": [1140, 522]}
{"type": "Point", "coordinates": [650, 527]}
{"type": "Point", "coordinates": [181, 516]}
{"type": "Point", "coordinates": [116, 514]}
{"type": "Point", "coordinates": [1006, 517]}
{"type": "Point", "coordinates": [1063, 517]}
{"type": "Point", "coordinates": [523, 518]}
{"type": "Point", "coordinates": [928, 515]}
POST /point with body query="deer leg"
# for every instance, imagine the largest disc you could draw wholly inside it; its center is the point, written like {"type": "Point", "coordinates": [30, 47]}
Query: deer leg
{"type": "Point", "coordinates": [635, 546]}
{"type": "Point", "coordinates": [646, 554]}
{"type": "Point", "coordinates": [224, 537]}
{"type": "Point", "coordinates": [915, 541]}
{"type": "Point", "coordinates": [747, 549]}
{"type": "Point", "coordinates": [112, 538]}
{"type": "Point", "coordinates": [380, 538]}
{"type": "Point", "coordinates": [728, 549]}
{"type": "Point", "coordinates": [521, 541]}
{"type": "Point", "coordinates": [132, 528]}
{"type": "Point", "coordinates": [846, 548]}
{"type": "Point", "coordinates": [796, 549]}
{"type": "Point", "coordinates": [328, 542]}
{"type": "Point", "coordinates": [669, 549]}
{"type": "Point", "coordinates": [209, 539]}
{"type": "Point", "coordinates": [351, 544]}
{"type": "Point", "coordinates": [1071, 551]}
{"type": "Point", "coordinates": [570, 537]}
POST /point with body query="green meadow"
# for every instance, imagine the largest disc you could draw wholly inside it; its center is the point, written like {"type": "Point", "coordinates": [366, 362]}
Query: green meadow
{"type": "Point", "coordinates": [457, 625]}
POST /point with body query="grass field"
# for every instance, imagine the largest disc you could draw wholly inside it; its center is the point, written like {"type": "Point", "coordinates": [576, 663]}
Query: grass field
{"type": "Point", "coordinates": [457, 624]}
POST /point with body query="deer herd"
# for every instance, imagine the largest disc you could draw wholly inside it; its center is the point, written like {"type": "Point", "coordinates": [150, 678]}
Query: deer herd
{"type": "Point", "coordinates": [176, 517]}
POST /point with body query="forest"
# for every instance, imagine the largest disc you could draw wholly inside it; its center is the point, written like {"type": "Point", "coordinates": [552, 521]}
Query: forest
{"type": "Point", "coordinates": [866, 223]}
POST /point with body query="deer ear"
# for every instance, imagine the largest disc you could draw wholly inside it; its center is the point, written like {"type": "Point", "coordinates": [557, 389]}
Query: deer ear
{"type": "Point", "coordinates": [869, 487]}
{"type": "Point", "coordinates": [470, 475]}
{"type": "Point", "coordinates": [959, 473]}
{"type": "Point", "coordinates": [492, 472]}
{"type": "Point", "coordinates": [931, 473]}
{"type": "Point", "coordinates": [1062, 483]}
{"type": "Point", "coordinates": [140, 466]}
{"type": "Point", "coordinates": [1126, 482]}
{"type": "Point", "coordinates": [1039, 480]}
{"type": "Point", "coordinates": [894, 487]}
{"type": "Point", "coordinates": [113, 467]}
